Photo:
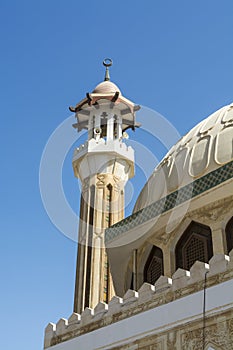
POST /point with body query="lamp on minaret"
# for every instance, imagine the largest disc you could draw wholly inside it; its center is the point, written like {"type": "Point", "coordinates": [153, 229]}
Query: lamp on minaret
{"type": "Point", "coordinates": [103, 164]}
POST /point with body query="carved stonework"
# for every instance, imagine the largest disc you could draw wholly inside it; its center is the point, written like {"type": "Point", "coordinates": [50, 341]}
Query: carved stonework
{"type": "Point", "coordinates": [116, 178]}
{"type": "Point", "coordinates": [215, 211]}
{"type": "Point", "coordinates": [220, 334]}
{"type": "Point", "coordinates": [99, 235]}
{"type": "Point", "coordinates": [85, 184]}
{"type": "Point", "coordinates": [171, 341]}
{"type": "Point", "coordinates": [101, 178]}
{"type": "Point", "coordinates": [116, 187]}
{"type": "Point", "coordinates": [165, 237]}
{"type": "Point", "coordinates": [206, 214]}
{"type": "Point", "coordinates": [162, 237]}
{"type": "Point", "coordinates": [104, 179]}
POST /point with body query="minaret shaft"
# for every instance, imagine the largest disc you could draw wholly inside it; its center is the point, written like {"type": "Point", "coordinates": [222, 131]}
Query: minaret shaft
{"type": "Point", "coordinates": [101, 206]}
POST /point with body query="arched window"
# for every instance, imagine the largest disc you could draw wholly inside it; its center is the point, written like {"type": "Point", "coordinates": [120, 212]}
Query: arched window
{"type": "Point", "coordinates": [195, 244]}
{"type": "Point", "coordinates": [154, 266]}
{"type": "Point", "coordinates": [229, 235]}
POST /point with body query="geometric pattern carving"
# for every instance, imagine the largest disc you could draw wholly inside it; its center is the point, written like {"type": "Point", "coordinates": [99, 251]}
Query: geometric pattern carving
{"type": "Point", "coordinates": [194, 250]}
{"type": "Point", "coordinates": [154, 266]}
{"type": "Point", "coordinates": [154, 271]}
{"type": "Point", "coordinates": [194, 245]}
{"type": "Point", "coordinates": [172, 200]}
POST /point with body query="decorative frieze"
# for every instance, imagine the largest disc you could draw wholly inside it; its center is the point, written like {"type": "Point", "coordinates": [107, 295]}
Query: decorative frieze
{"type": "Point", "coordinates": [219, 334]}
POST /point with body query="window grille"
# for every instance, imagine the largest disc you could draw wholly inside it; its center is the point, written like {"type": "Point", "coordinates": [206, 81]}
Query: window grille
{"type": "Point", "coordinates": [154, 266]}
{"type": "Point", "coordinates": [195, 244]}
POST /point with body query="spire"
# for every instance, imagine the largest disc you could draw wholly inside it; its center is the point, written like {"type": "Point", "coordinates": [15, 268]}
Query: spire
{"type": "Point", "coordinates": [107, 62]}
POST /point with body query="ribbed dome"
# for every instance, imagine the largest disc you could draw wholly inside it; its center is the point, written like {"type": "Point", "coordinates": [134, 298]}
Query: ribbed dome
{"type": "Point", "coordinates": [206, 147]}
{"type": "Point", "coordinates": [106, 87]}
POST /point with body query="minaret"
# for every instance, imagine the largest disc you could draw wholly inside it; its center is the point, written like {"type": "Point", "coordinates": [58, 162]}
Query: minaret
{"type": "Point", "coordinates": [103, 164]}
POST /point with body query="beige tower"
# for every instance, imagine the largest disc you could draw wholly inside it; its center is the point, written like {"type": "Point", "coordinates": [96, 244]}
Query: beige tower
{"type": "Point", "coordinates": [103, 164]}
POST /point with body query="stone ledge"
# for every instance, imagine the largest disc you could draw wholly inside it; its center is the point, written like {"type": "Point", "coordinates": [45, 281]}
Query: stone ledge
{"type": "Point", "coordinates": [165, 290]}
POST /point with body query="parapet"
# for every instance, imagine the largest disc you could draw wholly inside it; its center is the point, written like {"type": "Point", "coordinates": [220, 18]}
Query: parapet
{"type": "Point", "coordinates": [165, 290]}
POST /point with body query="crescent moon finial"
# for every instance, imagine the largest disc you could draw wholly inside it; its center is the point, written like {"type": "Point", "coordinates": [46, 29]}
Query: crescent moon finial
{"type": "Point", "coordinates": [107, 62]}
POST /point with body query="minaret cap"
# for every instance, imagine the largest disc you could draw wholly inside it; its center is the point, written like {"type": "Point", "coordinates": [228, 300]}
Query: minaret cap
{"type": "Point", "coordinates": [108, 95]}
{"type": "Point", "coordinates": [106, 86]}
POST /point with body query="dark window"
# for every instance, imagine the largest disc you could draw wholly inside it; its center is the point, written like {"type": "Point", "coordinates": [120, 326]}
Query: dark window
{"type": "Point", "coordinates": [229, 235]}
{"type": "Point", "coordinates": [195, 244]}
{"type": "Point", "coordinates": [103, 124]}
{"type": "Point", "coordinates": [115, 127]}
{"type": "Point", "coordinates": [154, 266]}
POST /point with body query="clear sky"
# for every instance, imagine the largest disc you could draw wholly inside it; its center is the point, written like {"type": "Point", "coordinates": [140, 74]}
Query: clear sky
{"type": "Point", "coordinates": [175, 57]}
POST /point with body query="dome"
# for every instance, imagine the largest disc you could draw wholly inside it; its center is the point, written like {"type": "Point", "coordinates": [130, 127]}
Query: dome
{"type": "Point", "coordinates": [106, 87]}
{"type": "Point", "coordinates": [205, 148]}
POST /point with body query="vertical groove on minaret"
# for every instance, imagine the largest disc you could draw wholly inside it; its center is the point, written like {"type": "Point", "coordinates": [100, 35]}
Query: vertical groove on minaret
{"type": "Point", "coordinates": [81, 257]}
{"type": "Point", "coordinates": [89, 247]}
{"type": "Point", "coordinates": [109, 216]}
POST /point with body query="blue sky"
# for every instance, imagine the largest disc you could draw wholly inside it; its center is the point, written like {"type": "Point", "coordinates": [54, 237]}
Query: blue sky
{"type": "Point", "coordinates": [175, 57]}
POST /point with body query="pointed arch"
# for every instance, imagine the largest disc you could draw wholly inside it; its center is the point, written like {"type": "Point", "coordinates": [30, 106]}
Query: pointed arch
{"type": "Point", "coordinates": [154, 266]}
{"type": "Point", "coordinates": [195, 244]}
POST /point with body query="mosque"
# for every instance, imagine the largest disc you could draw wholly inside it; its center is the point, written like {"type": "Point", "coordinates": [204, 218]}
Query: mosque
{"type": "Point", "coordinates": [162, 278]}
